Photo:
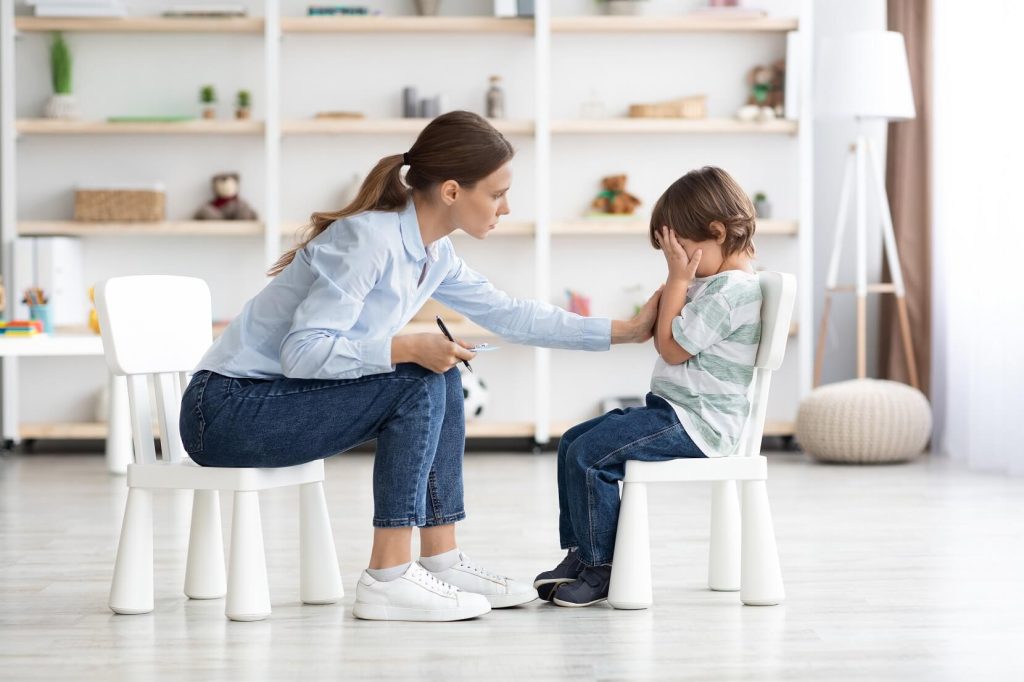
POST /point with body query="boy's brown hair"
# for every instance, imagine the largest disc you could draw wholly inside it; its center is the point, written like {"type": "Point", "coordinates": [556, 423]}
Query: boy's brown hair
{"type": "Point", "coordinates": [701, 197]}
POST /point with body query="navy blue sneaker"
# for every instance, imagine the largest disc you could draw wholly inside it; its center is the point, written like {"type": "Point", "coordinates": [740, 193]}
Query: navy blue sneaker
{"type": "Point", "coordinates": [589, 588]}
{"type": "Point", "coordinates": [567, 571]}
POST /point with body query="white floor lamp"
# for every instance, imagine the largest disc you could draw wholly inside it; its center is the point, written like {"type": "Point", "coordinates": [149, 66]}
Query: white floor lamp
{"type": "Point", "coordinates": [864, 76]}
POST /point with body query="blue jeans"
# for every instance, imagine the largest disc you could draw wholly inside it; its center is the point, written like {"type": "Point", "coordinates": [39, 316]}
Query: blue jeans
{"type": "Point", "coordinates": [592, 460]}
{"type": "Point", "coordinates": [415, 415]}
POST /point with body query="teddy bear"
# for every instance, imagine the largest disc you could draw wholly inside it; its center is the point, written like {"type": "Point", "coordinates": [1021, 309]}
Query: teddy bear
{"type": "Point", "coordinates": [614, 198]}
{"type": "Point", "coordinates": [767, 93]}
{"type": "Point", "coordinates": [226, 204]}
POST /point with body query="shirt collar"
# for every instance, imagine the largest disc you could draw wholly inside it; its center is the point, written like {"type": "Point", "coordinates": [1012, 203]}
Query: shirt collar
{"type": "Point", "coordinates": [411, 237]}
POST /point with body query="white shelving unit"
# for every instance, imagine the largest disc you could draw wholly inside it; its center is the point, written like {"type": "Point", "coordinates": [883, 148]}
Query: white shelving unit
{"type": "Point", "coordinates": [277, 230]}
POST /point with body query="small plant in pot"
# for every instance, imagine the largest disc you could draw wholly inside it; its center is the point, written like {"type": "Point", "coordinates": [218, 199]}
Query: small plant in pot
{"type": "Point", "coordinates": [208, 100]}
{"type": "Point", "coordinates": [243, 104]}
{"type": "Point", "coordinates": [624, 7]}
{"type": "Point", "coordinates": [62, 104]}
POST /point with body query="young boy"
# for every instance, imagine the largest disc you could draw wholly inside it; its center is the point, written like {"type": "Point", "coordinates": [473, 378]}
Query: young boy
{"type": "Point", "coordinates": [706, 335]}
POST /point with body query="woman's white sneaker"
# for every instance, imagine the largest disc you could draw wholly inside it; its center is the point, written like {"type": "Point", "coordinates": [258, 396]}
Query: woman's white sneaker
{"type": "Point", "coordinates": [415, 595]}
{"type": "Point", "coordinates": [500, 591]}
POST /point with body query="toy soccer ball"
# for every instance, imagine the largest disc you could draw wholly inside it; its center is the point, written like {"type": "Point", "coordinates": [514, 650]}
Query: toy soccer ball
{"type": "Point", "coordinates": [474, 391]}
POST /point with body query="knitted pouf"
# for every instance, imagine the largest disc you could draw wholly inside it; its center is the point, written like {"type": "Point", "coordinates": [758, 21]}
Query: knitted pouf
{"type": "Point", "coordinates": [864, 421]}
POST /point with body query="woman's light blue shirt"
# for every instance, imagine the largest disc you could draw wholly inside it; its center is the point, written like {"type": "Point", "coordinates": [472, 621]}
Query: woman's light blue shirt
{"type": "Point", "coordinates": [331, 314]}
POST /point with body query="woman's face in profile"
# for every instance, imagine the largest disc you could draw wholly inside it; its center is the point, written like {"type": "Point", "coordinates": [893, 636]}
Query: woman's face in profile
{"type": "Point", "coordinates": [477, 210]}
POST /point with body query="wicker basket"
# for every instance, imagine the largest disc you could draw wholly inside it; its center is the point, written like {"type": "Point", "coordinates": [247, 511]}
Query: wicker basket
{"type": "Point", "coordinates": [119, 205]}
{"type": "Point", "coordinates": [685, 107]}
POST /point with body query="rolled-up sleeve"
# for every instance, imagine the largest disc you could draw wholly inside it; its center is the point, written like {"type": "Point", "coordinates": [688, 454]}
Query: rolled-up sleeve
{"type": "Point", "coordinates": [315, 347]}
{"type": "Point", "coordinates": [519, 320]}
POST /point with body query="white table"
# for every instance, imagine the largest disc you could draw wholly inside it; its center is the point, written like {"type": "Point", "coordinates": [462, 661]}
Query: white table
{"type": "Point", "coordinates": [119, 432]}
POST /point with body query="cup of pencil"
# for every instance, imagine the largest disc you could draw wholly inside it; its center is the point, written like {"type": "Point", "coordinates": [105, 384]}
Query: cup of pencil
{"type": "Point", "coordinates": [38, 308]}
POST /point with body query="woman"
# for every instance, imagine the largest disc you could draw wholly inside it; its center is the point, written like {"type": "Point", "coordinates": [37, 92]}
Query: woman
{"type": "Point", "coordinates": [312, 366]}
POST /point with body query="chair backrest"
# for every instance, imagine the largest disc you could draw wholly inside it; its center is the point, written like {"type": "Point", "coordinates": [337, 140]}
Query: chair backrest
{"type": "Point", "coordinates": [778, 296]}
{"type": "Point", "coordinates": [154, 328]}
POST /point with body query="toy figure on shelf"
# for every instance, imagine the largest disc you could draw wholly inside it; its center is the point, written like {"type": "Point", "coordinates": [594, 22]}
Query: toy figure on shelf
{"type": "Point", "coordinates": [94, 318]}
{"type": "Point", "coordinates": [495, 99]}
{"type": "Point", "coordinates": [614, 198]}
{"type": "Point", "coordinates": [578, 303]}
{"type": "Point", "coordinates": [767, 93]}
{"type": "Point", "coordinates": [226, 204]}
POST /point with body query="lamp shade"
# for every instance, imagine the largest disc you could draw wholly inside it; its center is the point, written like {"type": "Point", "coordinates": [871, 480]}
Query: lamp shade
{"type": "Point", "coordinates": [865, 75]}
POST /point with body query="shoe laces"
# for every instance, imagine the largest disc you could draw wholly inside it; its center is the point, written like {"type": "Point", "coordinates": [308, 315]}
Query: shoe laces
{"type": "Point", "coordinates": [432, 582]}
{"type": "Point", "coordinates": [482, 572]}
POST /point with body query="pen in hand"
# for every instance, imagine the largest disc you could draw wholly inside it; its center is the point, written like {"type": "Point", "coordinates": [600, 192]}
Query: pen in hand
{"type": "Point", "coordinates": [444, 330]}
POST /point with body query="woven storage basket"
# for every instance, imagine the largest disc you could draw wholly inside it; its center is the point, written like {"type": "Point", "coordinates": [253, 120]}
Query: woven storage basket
{"type": "Point", "coordinates": [864, 421]}
{"type": "Point", "coordinates": [686, 107]}
{"type": "Point", "coordinates": [119, 205]}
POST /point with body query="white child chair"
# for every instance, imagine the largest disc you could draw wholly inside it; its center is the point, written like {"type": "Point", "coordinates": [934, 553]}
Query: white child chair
{"type": "Point", "coordinates": [156, 328]}
{"type": "Point", "coordinates": [743, 555]}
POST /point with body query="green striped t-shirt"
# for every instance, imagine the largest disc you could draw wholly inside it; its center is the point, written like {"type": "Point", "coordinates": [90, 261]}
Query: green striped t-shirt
{"type": "Point", "coordinates": [720, 326]}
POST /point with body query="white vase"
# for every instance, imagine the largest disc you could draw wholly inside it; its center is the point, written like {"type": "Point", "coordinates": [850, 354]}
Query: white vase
{"type": "Point", "coordinates": [61, 106]}
{"type": "Point", "coordinates": [626, 7]}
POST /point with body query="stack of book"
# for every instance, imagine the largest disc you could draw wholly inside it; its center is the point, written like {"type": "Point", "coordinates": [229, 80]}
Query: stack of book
{"type": "Point", "coordinates": [78, 8]}
{"type": "Point", "coordinates": [21, 328]}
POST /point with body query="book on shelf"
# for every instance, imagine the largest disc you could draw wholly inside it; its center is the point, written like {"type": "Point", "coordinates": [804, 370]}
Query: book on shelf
{"type": "Point", "coordinates": [78, 8]}
{"type": "Point", "coordinates": [206, 10]}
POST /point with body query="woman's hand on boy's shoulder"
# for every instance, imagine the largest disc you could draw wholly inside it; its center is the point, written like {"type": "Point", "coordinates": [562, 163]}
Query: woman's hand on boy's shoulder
{"type": "Point", "coordinates": [680, 266]}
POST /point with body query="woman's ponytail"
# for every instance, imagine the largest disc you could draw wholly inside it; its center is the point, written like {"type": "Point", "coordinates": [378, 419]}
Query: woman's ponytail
{"type": "Point", "coordinates": [459, 146]}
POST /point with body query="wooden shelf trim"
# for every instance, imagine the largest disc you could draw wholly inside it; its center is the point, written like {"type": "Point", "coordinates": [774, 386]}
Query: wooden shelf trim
{"type": "Point", "coordinates": [474, 429]}
{"type": "Point", "coordinates": [672, 24]}
{"type": "Point", "coordinates": [190, 228]}
{"type": "Point", "coordinates": [409, 24]}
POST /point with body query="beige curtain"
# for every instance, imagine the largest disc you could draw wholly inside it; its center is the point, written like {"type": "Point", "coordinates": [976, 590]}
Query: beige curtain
{"type": "Point", "coordinates": [908, 183]}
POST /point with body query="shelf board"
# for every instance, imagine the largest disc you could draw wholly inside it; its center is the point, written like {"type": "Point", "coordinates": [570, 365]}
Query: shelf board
{"type": "Point", "coordinates": [371, 126]}
{"type": "Point", "coordinates": [402, 126]}
{"type": "Point", "coordinates": [98, 430]}
{"type": "Point", "coordinates": [627, 226]}
{"type": "Point", "coordinates": [694, 126]}
{"type": "Point", "coordinates": [44, 126]}
{"type": "Point", "coordinates": [141, 24]}
{"type": "Point", "coordinates": [672, 24]}
{"type": "Point", "coordinates": [406, 24]}
{"type": "Point", "coordinates": [199, 228]}
{"type": "Point", "coordinates": [512, 228]}
{"type": "Point", "coordinates": [474, 429]}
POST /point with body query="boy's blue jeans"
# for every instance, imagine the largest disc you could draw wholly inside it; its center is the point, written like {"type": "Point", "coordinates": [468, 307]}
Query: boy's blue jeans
{"type": "Point", "coordinates": [415, 415]}
{"type": "Point", "coordinates": [592, 460]}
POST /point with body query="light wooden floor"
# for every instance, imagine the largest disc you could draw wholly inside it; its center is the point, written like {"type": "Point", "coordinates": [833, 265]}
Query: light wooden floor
{"type": "Point", "coordinates": [911, 572]}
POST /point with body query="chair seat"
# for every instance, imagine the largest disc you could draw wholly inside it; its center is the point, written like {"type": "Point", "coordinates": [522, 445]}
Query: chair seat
{"type": "Point", "coordinates": [710, 469]}
{"type": "Point", "coordinates": [186, 474]}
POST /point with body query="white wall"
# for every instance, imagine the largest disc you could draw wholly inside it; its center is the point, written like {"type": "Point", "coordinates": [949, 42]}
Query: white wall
{"type": "Point", "coordinates": [831, 140]}
{"type": "Point", "coordinates": [151, 74]}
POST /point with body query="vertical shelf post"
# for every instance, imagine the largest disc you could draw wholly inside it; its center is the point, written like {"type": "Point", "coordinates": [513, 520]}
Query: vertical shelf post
{"type": "Point", "coordinates": [542, 232]}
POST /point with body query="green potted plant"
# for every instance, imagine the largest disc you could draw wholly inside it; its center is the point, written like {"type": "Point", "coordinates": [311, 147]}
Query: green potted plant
{"type": "Point", "coordinates": [208, 99]}
{"type": "Point", "coordinates": [243, 102]}
{"type": "Point", "coordinates": [762, 207]}
{"type": "Point", "coordinates": [62, 103]}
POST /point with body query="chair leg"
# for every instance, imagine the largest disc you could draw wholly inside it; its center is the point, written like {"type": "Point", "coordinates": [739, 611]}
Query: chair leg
{"type": "Point", "coordinates": [248, 593]}
{"type": "Point", "coordinates": [131, 590]}
{"type": "Point", "coordinates": [724, 554]}
{"type": "Point", "coordinates": [320, 576]}
{"type": "Point", "coordinates": [204, 571]}
{"type": "Point", "coordinates": [760, 576]}
{"type": "Point", "coordinates": [631, 567]}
